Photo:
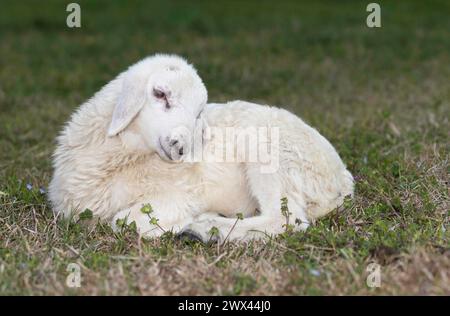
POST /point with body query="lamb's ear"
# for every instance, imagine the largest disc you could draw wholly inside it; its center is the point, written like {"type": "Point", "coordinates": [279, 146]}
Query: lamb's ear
{"type": "Point", "coordinates": [130, 101]}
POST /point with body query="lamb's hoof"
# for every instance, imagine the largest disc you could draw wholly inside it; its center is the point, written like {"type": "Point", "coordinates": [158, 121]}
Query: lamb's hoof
{"type": "Point", "coordinates": [190, 235]}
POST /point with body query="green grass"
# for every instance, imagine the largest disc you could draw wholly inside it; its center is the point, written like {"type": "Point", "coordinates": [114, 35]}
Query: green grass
{"type": "Point", "coordinates": [381, 96]}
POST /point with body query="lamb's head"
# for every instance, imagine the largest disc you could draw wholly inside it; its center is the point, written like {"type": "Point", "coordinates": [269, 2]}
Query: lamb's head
{"type": "Point", "coordinates": [159, 105]}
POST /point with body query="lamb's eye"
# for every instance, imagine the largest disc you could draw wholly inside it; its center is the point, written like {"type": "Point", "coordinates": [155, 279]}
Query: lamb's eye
{"type": "Point", "coordinates": [159, 94]}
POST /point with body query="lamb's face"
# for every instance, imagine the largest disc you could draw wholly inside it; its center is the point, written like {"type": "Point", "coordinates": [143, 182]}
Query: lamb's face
{"type": "Point", "coordinates": [167, 121]}
{"type": "Point", "coordinates": [159, 105]}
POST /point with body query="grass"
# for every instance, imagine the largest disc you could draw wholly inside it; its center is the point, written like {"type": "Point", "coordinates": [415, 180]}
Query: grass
{"type": "Point", "coordinates": [381, 96]}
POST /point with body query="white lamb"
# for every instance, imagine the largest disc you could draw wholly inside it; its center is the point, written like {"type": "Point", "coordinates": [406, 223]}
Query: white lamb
{"type": "Point", "coordinates": [131, 145]}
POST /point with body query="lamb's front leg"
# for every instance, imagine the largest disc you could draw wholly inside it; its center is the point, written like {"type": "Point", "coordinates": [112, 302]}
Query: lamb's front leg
{"type": "Point", "coordinates": [267, 190]}
{"type": "Point", "coordinates": [153, 219]}
{"type": "Point", "coordinates": [233, 229]}
{"type": "Point", "coordinates": [212, 227]}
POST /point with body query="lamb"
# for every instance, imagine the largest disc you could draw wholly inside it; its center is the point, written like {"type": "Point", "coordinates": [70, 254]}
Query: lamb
{"type": "Point", "coordinates": [148, 137]}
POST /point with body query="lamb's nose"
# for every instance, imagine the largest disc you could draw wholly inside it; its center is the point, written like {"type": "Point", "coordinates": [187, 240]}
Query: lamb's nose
{"type": "Point", "coordinates": [180, 151]}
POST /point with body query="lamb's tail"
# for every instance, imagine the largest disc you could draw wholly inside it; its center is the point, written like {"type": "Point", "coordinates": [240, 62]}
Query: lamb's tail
{"type": "Point", "coordinates": [348, 184]}
{"type": "Point", "coordinates": [344, 188]}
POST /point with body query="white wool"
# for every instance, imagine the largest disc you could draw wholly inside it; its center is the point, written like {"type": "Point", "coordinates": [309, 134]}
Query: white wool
{"type": "Point", "coordinates": [114, 176]}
